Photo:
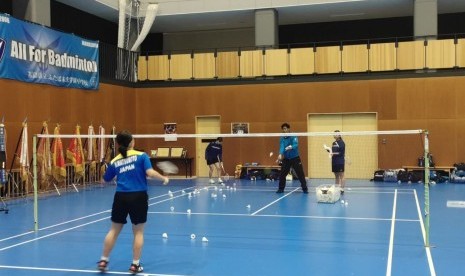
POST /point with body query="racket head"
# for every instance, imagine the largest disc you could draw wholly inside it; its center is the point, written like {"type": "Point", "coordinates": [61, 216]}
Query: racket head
{"type": "Point", "coordinates": [168, 167]}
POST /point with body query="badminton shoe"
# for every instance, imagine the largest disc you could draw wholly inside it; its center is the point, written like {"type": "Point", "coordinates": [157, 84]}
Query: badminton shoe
{"type": "Point", "coordinates": [134, 269]}
{"type": "Point", "coordinates": [212, 181]}
{"type": "Point", "coordinates": [102, 265]}
{"type": "Point", "coordinates": [220, 180]}
{"type": "Point", "coordinates": [280, 191]}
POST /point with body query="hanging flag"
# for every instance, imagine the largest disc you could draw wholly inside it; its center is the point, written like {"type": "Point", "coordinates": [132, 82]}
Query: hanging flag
{"type": "Point", "coordinates": [101, 144]}
{"type": "Point", "coordinates": [111, 153]}
{"type": "Point", "coordinates": [92, 150]}
{"type": "Point", "coordinates": [75, 154]}
{"type": "Point", "coordinates": [3, 174]}
{"type": "Point", "coordinates": [24, 154]}
{"type": "Point", "coordinates": [58, 159]}
{"type": "Point", "coordinates": [44, 158]}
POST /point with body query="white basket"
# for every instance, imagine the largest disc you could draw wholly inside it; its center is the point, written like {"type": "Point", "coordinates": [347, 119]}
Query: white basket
{"type": "Point", "coordinates": [328, 193]}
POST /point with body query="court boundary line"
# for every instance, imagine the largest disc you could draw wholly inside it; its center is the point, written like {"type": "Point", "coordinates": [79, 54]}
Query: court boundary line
{"type": "Point", "coordinates": [427, 249]}
{"type": "Point", "coordinates": [82, 270]}
{"type": "Point", "coordinates": [273, 202]}
{"type": "Point", "coordinates": [391, 236]}
{"type": "Point", "coordinates": [281, 216]}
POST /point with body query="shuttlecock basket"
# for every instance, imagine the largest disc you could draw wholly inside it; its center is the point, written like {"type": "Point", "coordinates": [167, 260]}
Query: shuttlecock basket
{"type": "Point", "coordinates": [328, 193]}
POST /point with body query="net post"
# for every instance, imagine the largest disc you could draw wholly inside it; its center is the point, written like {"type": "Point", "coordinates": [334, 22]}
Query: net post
{"type": "Point", "coordinates": [34, 170]}
{"type": "Point", "coordinates": [427, 182]}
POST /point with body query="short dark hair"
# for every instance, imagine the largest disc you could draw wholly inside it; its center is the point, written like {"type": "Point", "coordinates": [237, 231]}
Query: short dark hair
{"type": "Point", "coordinates": [285, 125]}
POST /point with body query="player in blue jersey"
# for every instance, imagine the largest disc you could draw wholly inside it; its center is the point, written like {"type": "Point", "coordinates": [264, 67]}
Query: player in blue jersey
{"type": "Point", "coordinates": [131, 169]}
{"type": "Point", "coordinates": [289, 158]}
{"type": "Point", "coordinates": [338, 149]}
{"type": "Point", "coordinates": [214, 158]}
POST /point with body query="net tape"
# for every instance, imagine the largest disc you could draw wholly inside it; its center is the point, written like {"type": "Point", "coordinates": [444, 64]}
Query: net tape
{"type": "Point", "coordinates": [246, 135]}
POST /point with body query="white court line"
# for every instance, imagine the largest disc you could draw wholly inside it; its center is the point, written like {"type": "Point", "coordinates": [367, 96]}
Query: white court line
{"type": "Point", "coordinates": [273, 202]}
{"type": "Point", "coordinates": [81, 218]}
{"type": "Point", "coordinates": [284, 216]}
{"type": "Point", "coordinates": [72, 228]}
{"type": "Point", "coordinates": [427, 248]}
{"type": "Point", "coordinates": [82, 271]}
{"type": "Point", "coordinates": [391, 237]}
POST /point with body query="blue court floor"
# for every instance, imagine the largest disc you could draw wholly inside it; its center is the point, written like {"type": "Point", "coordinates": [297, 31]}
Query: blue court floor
{"type": "Point", "coordinates": [250, 229]}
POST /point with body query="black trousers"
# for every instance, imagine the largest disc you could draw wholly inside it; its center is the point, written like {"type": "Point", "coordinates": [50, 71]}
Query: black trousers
{"type": "Point", "coordinates": [286, 166]}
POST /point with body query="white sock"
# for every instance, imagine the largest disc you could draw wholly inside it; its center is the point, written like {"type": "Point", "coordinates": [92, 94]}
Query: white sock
{"type": "Point", "coordinates": [103, 258]}
{"type": "Point", "coordinates": [136, 262]}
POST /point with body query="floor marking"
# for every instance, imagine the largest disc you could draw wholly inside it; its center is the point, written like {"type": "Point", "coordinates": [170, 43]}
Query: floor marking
{"type": "Point", "coordinates": [81, 270]}
{"type": "Point", "coordinates": [391, 236]}
{"type": "Point", "coordinates": [282, 216]}
{"type": "Point", "coordinates": [273, 202]}
{"type": "Point", "coordinates": [455, 204]}
{"type": "Point", "coordinates": [422, 226]}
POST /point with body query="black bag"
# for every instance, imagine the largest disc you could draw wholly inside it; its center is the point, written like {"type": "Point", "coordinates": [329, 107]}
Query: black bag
{"type": "Point", "coordinates": [378, 175]}
{"type": "Point", "coordinates": [416, 176]}
{"type": "Point", "coordinates": [421, 161]}
{"type": "Point", "coordinates": [402, 176]}
{"type": "Point", "coordinates": [460, 166]}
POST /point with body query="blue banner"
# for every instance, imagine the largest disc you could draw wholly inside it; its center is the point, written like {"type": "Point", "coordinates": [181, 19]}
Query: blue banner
{"type": "Point", "coordinates": [33, 53]}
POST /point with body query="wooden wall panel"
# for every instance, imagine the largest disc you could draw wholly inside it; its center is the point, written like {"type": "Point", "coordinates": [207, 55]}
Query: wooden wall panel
{"type": "Point", "coordinates": [204, 66]}
{"type": "Point", "coordinates": [276, 62]}
{"type": "Point", "coordinates": [460, 48]}
{"type": "Point", "coordinates": [142, 68]}
{"type": "Point", "coordinates": [440, 54]}
{"type": "Point", "coordinates": [158, 68]}
{"type": "Point", "coordinates": [302, 61]}
{"type": "Point", "coordinates": [411, 100]}
{"type": "Point", "coordinates": [411, 55]}
{"type": "Point", "coordinates": [440, 95]}
{"type": "Point", "coordinates": [251, 64]}
{"type": "Point", "coordinates": [382, 57]}
{"type": "Point", "coordinates": [354, 58]}
{"type": "Point", "coordinates": [181, 67]}
{"type": "Point", "coordinates": [382, 97]}
{"type": "Point", "coordinates": [328, 60]}
{"type": "Point", "coordinates": [227, 64]}
{"type": "Point", "coordinates": [418, 103]}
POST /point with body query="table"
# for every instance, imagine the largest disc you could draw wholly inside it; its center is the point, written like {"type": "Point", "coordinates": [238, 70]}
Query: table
{"type": "Point", "coordinates": [448, 169]}
{"type": "Point", "coordinates": [187, 161]}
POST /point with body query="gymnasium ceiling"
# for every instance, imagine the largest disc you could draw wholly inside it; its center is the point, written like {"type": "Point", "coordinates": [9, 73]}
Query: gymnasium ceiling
{"type": "Point", "coordinates": [201, 15]}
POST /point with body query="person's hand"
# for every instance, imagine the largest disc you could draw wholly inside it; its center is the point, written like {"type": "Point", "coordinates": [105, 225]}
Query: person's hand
{"type": "Point", "coordinates": [166, 181]}
{"type": "Point", "coordinates": [280, 157]}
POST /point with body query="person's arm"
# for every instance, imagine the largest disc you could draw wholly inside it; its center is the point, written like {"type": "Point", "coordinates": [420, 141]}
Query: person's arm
{"type": "Point", "coordinates": [294, 143]}
{"type": "Point", "coordinates": [154, 174]}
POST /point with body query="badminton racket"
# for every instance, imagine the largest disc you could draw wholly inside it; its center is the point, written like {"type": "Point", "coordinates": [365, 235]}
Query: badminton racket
{"type": "Point", "coordinates": [168, 167]}
{"type": "Point", "coordinates": [225, 174]}
{"type": "Point", "coordinates": [329, 150]}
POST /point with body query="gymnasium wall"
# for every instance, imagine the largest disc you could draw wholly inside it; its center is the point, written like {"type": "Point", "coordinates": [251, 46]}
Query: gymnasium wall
{"type": "Point", "coordinates": [416, 103]}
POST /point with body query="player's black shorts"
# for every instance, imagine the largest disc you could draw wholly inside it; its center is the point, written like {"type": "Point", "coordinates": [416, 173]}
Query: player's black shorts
{"type": "Point", "coordinates": [134, 204]}
{"type": "Point", "coordinates": [337, 168]}
{"type": "Point", "coordinates": [211, 161]}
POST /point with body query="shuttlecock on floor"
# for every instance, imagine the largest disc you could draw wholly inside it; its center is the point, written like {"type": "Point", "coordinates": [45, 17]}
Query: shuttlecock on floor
{"type": "Point", "coordinates": [204, 239]}
{"type": "Point", "coordinates": [164, 235]}
{"type": "Point", "coordinates": [192, 236]}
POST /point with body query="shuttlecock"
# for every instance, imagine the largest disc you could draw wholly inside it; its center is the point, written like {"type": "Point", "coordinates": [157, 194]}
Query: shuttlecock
{"type": "Point", "coordinates": [342, 201]}
{"type": "Point", "coordinates": [172, 208]}
{"type": "Point", "coordinates": [188, 211]}
{"type": "Point", "coordinates": [192, 236]}
{"type": "Point", "coordinates": [183, 192]}
{"type": "Point", "coordinates": [271, 153]}
{"type": "Point", "coordinates": [248, 206]}
{"type": "Point", "coordinates": [224, 196]}
{"type": "Point", "coordinates": [346, 203]}
{"type": "Point", "coordinates": [204, 239]}
{"type": "Point", "coordinates": [164, 235]}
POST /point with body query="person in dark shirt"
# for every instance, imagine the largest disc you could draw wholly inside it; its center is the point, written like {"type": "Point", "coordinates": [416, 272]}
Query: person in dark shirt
{"type": "Point", "coordinates": [214, 158]}
{"type": "Point", "coordinates": [338, 149]}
